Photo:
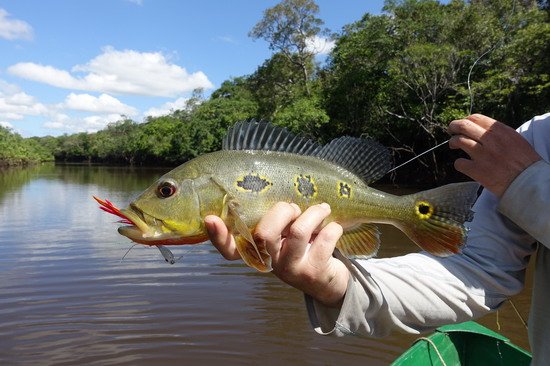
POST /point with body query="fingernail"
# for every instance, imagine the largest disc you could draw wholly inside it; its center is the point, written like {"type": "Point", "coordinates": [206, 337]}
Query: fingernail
{"type": "Point", "coordinates": [325, 205]}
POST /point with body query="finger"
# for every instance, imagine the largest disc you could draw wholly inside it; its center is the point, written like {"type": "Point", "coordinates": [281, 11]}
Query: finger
{"type": "Point", "coordinates": [467, 167]}
{"type": "Point", "coordinates": [301, 231]}
{"type": "Point", "coordinates": [482, 120]}
{"type": "Point", "coordinates": [323, 246]}
{"type": "Point", "coordinates": [221, 238]}
{"type": "Point", "coordinates": [270, 228]}
{"type": "Point", "coordinates": [469, 146]}
{"type": "Point", "coordinates": [466, 128]}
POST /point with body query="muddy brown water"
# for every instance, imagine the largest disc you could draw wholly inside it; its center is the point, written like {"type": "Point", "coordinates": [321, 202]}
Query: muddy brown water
{"type": "Point", "coordinates": [66, 298]}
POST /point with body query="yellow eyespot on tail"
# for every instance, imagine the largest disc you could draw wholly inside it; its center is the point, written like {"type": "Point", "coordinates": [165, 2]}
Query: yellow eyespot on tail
{"type": "Point", "coordinates": [424, 209]}
{"type": "Point", "coordinates": [437, 224]}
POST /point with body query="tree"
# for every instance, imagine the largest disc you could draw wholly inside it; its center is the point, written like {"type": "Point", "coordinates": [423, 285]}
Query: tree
{"type": "Point", "coordinates": [275, 85]}
{"type": "Point", "coordinates": [15, 150]}
{"type": "Point", "coordinates": [289, 27]}
{"type": "Point", "coordinates": [231, 103]}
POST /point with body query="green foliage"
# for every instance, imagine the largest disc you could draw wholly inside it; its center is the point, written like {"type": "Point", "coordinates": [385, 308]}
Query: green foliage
{"type": "Point", "coordinates": [288, 25]}
{"type": "Point", "coordinates": [303, 116]}
{"type": "Point", "coordinates": [15, 150]}
{"type": "Point", "coordinates": [276, 84]}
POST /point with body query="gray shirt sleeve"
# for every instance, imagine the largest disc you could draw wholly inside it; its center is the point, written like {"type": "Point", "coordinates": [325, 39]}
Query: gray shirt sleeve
{"type": "Point", "coordinates": [419, 292]}
{"type": "Point", "coordinates": [529, 212]}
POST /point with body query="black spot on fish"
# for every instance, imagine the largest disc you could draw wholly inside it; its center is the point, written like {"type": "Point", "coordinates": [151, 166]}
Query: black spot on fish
{"type": "Point", "coordinates": [344, 190]}
{"type": "Point", "coordinates": [305, 186]}
{"type": "Point", "coordinates": [253, 183]}
{"type": "Point", "coordinates": [423, 209]}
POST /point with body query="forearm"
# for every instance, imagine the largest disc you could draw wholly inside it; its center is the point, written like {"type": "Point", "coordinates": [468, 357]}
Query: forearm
{"type": "Point", "coordinates": [412, 294]}
{"type": "Point", "coordinates": [527, 199]}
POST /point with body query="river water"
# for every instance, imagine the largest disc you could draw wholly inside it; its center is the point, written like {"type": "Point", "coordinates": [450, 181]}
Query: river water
{"type": "Point", "coordinates": [66, 298]}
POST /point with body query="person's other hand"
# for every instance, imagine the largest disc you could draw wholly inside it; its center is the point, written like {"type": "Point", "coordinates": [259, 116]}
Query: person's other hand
{"type": "Point", "coordinates": [498, 153]}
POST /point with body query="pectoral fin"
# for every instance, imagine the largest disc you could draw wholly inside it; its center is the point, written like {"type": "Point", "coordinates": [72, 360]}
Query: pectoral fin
{"type": "Point", "coordinates": [253, 255]}
{"type": "Point", "coordinates": [361, 241]}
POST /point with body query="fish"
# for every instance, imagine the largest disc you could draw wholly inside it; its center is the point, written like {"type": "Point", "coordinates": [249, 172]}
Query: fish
{"type": "Point", "coordinates": [260, 164]}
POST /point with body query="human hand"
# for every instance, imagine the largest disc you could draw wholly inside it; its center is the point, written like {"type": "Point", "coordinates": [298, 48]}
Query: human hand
{"type": "Point", "coordinates": [498, 153]}
{"type": "Point", "coordinates": [300, 248]}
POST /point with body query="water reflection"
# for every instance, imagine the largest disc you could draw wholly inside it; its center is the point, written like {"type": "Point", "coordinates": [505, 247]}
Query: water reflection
{"type": "Point", "coordinates": [67, 298]}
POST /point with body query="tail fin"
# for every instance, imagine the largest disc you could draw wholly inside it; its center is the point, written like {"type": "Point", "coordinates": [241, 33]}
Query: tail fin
{"type": "Point", "coordinates": [437, 224]}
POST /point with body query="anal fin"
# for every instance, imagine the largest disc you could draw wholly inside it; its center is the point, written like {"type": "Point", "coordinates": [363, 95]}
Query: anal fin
{"type": "Point", "coordinates": [253, 255]}
{"type": "Point", "coordinates": [361, 241]}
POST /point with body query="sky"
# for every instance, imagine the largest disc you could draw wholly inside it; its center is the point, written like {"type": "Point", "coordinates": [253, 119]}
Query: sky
{"type": "Point", "coordinates": [74, 66]}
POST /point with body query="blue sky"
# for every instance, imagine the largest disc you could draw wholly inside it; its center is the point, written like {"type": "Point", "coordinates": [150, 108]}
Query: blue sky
{"type": "Point", "coordinates": [70, 66]}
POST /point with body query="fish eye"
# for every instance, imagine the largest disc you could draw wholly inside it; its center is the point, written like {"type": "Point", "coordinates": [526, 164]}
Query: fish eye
{"type": "Point", "coordinates": [166, 189]}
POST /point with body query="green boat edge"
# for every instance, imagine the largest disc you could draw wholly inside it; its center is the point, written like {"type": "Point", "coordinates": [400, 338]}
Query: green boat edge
{"type": "Point", "coordinates": [466, 343]}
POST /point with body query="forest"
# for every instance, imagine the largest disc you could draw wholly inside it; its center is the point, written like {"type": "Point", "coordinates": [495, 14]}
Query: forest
{"type": "Point", "coordinates": [399, 77]}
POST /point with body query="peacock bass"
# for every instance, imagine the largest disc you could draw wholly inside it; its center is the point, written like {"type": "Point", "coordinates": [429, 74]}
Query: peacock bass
{"type": "Point", "coordinates": [261, 164]}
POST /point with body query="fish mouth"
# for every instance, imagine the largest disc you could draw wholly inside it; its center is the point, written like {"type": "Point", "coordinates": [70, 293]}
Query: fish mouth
{"type": "Point", "coordinates": [145, 229]}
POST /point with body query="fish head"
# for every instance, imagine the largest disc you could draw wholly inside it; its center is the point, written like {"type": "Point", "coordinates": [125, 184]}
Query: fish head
{"type": "Point", "coordinates": [167, 213]}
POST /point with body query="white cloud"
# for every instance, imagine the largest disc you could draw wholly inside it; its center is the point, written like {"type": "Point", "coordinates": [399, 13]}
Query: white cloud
{"type": "Point", "coordinates": [7, 88]}
{"type": "Point", "coordinates": [167, 108]}
{"type": "Point", "coordinates": [6, 125]}
{"type": "Point", "coordinates": [103, 104]}
{"type": "Point", "coordinates": [15, 104]}
{"type": "Point", "coordinates": [320, 45]}
{"type": "Point", "coordinates": [137, 2]}
{"type": "Point", "coordinates": [89, 124]}
{"type": "Point", "coordinates": [119, 72]}
{"type": "Point", "coordinates": [57, 121]}
{"type": "Point", "coordinates": [12, 29]}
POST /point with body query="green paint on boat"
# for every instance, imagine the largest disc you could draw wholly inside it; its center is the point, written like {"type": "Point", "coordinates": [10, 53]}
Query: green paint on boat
{"type": "Point", "coordinates": [464, 344]}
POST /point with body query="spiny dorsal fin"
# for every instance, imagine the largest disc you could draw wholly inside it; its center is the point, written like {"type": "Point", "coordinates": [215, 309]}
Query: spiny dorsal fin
{"type": "Point", "coordinates": [254, 135]}
{"type": "Point", "coordinates": [364, 157]}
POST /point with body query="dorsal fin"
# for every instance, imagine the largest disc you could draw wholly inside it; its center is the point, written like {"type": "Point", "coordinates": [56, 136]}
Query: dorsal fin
{"type": "Point", "coordinates": [254, 135]}
{"type": "Point", "coordinates": [364, 157]}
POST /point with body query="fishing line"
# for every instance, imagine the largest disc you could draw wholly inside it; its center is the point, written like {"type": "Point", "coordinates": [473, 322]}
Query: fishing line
{"type": "Point", "coordinates": [128, 251]}
{"type": "Point", "coordinates": [419, 155]}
